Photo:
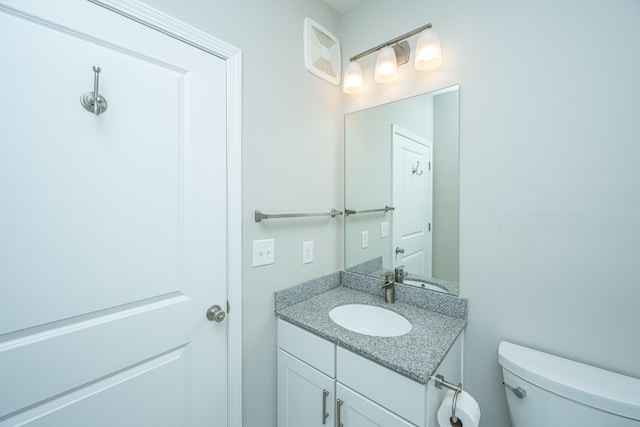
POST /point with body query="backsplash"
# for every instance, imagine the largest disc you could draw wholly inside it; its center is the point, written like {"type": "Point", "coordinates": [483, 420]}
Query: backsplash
{"type": "Point", "coordinates": [435, 301]}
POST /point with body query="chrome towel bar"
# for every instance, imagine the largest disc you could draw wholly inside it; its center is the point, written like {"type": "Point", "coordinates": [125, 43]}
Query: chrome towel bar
{"type": "Point", "coordinates": [385, 209]}
{"type": "Point", "coordinates": [259, 216]}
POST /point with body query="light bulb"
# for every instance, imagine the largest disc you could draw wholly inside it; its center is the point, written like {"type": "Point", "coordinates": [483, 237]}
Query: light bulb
{"type": "Point", "coordinates": [386, 66]}
{"type": "Point", "coordinates": [428, 51]}
{"type": "Point", "coordinates": [352, 83]}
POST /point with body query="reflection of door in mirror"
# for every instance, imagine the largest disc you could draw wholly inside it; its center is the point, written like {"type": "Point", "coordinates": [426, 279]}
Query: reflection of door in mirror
{"type": "Point", "coordinates": [413, 201]}
{"type": "Point", "coordinates": [369, 187]}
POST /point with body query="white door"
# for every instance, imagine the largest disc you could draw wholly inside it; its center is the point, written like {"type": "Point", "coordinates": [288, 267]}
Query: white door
{"type": "Point", "coordinates": [412, 199]}
{"type": "Point", "coordinates": [112, 227]}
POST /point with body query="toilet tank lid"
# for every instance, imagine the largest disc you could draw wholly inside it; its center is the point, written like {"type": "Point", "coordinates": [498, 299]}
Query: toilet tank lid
{"type": "Point", "coordinates": [599, 388]}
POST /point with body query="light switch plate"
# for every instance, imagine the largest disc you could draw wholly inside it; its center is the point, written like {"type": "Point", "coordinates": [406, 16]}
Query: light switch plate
{"type": "Point", "coordinates": [264, 252]}
{"type": "Point", "coordinates": [307, 252]}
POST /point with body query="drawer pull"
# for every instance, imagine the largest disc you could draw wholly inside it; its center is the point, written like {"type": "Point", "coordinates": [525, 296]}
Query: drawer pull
{"type": "Point", "coordinates": [339, 423]}
{"type": "Point", "coordinates": [325, 414]}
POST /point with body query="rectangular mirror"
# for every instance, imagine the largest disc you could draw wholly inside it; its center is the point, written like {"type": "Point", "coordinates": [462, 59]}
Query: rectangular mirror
{"type": "Point", "coordinates": [402, 190]}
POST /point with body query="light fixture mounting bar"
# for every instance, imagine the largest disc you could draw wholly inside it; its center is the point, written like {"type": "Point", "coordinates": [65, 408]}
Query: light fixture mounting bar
{"type": "Point", "coordinates": [390, 42]}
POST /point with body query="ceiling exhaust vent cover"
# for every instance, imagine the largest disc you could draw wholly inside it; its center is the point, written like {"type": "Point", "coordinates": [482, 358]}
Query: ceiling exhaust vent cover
{"type": "Point", "coordinates": [321, 52]}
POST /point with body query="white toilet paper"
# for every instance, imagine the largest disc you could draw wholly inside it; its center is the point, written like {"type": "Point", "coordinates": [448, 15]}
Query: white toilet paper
{"type": "Point", "coordinates": [467, 410]}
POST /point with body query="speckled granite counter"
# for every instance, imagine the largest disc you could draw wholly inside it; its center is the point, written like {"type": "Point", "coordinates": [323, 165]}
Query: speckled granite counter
{"type": "Point", "coordinates": [416, 355]}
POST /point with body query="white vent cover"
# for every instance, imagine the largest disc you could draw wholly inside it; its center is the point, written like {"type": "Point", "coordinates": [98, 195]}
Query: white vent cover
{"type": "Point", "coordinates": [321, 52]}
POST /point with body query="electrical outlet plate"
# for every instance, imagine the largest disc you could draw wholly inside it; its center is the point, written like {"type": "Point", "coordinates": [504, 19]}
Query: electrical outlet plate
{"type": "Point", "coordinates": [307, 252]}
{"type": "Point", "coordinates": [365, 239]}
{"type": "Point", "coordinates": [384, 229]}
{"type": "Point", "coordinates": [264, 252]}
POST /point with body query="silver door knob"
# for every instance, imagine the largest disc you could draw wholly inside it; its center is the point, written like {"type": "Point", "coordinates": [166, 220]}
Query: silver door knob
{"type": "Point", "coordinates": [399, 250]}
{"type": "Point", "coordinates": [215, 313]}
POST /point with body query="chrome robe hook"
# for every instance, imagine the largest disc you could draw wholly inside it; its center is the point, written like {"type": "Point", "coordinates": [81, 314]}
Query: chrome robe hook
{"type": "Point", "coordinates": [93, 101]}
{"type": "Point", "coordinates": [415, 170]}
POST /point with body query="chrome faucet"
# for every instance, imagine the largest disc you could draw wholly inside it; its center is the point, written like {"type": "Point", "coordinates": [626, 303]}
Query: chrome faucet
{"type": "Point", "coordinates": [388, 286]}
{"type": "Point", "coordinates": [400, 274]}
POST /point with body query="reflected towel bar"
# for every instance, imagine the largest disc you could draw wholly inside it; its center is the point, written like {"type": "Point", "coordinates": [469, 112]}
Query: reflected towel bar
{"type": "Point", "coordinates": [259, 216]}
{"type": "Point", "coordinates": [385, 209]}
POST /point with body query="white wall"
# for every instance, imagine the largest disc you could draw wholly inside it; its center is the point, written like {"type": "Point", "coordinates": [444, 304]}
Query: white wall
{"type": "Point", "coordinates": [290, 159]}
{"type": "Point", "coordinates": [550, 180]}
{"type": "Point", "coordinates": [446, 186]}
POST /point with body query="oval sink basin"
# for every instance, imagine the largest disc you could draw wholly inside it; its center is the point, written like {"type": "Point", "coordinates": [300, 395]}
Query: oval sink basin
{"type": "Point", "coordinates": [370, 320]}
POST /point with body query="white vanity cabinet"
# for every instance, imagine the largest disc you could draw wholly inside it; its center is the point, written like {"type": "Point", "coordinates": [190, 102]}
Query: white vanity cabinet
{"type": "Point", "coordinates": [316, 378]}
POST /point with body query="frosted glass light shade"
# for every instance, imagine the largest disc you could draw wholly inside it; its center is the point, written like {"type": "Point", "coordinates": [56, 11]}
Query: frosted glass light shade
{"type": "Point", "coordinates": [386, 66]}
{"type": "Point", "coordinates": [428, 51]}
{"type": "Point", "coordinates": [352, 82]}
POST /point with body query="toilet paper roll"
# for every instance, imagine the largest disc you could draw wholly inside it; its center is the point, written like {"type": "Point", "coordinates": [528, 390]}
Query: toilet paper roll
{"type": "Point", "coordinates": [467, 410]}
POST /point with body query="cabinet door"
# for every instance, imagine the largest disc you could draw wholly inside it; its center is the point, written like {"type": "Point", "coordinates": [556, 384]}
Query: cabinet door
{"type": "Point", "coordinates": [306, 396]}
{"type": "Point", "coordinates": [357, 411]}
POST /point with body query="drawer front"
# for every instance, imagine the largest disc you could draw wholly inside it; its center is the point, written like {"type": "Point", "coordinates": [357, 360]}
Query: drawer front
{"type": "Point", "coordinates": [307, 347]}
{"type": "Point", "coordinates": [399, 394]}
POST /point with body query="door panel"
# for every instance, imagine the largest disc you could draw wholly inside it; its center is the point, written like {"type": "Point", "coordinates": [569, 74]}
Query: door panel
{"type": "Point", "coordinates": [114, 179]}
{"type": "Point", "coordinates": [112, 227]}
{"type": "Point", "coordinates": [107, 402]}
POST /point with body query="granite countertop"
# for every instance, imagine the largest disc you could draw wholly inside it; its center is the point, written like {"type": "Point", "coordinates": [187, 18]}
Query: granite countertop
{"type": "Point", "coordinates": [416, 354]}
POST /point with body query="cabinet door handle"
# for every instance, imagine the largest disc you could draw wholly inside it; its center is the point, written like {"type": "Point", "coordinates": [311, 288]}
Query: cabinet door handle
{"type": "Point", "coordinates": [325, 414]}
{"type": "Point", "coordinates": [339, 423]}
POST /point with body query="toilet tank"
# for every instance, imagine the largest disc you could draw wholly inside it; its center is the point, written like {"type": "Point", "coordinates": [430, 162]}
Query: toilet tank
{"type": "Point", "coordinates": [562, 392]}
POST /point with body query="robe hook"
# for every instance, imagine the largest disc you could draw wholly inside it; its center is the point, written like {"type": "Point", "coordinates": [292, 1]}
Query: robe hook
{"type": "Point", "coordinates": [415, 170]}
{"type": "Point", "coordinates": [93, 101]}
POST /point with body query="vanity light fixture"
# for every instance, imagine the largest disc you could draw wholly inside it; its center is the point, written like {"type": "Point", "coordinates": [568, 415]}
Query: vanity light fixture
{"type": "Point", "coordinates": [393, 53]}
{"type": "Point", "coordinates": [428, 52]}
{"type": "Point", "coordinates": [386, 66]}
{"type": "Point", "coordinates": [353, 78]}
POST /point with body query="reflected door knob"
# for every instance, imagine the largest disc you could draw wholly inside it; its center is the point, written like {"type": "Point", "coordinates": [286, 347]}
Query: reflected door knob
{"type": "Point", "coordinates": [399, 250]}
{"type": "Point", "coordinates": [215, 313]}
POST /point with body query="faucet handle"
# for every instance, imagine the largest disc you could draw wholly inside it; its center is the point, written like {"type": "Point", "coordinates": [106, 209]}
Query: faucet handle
{"type": "Point", "coordinates": [388, 280]}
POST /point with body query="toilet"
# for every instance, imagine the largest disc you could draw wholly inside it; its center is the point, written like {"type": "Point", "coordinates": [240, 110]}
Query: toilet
{"type": "Point", "coordinates": [547, 391]}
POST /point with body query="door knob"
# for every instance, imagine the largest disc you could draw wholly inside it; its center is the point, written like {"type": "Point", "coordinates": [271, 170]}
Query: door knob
{"type": "Point", "coordinates": [215, 313]}
{"type": "Point", "coordinates": [399, 250]}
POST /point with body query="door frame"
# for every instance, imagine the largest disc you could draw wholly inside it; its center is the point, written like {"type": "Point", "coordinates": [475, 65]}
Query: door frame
{"type": "Point", "coordinates": [168, 25]}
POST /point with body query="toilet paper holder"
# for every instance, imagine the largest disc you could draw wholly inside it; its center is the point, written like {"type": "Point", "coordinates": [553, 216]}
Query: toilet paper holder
{"type": "Point", "coordinates": [441, 382]}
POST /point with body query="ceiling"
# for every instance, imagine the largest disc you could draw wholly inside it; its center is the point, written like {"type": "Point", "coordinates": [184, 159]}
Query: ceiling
{"type": "Point", "coordinates": [342, 5]}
